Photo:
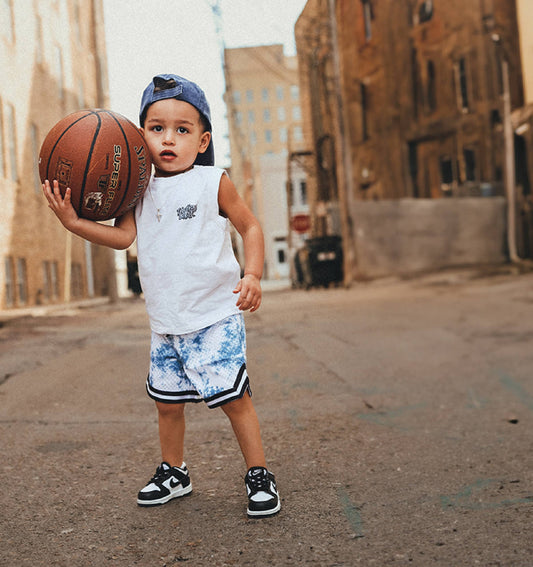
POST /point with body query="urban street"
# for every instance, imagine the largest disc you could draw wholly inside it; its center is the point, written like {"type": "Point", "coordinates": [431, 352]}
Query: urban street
{"type": "Point", "coordinates": [396, 416]}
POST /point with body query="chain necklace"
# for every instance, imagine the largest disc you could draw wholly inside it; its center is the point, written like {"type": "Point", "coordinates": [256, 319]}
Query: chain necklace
{"type": "Point", "coordinates": [158, 213]}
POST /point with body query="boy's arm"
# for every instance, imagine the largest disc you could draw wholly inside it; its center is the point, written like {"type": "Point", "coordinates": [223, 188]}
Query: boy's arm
{"type": "Point", "coordinates": [232, 205]}
{"type": "Point", "coordinates": [120, 236]}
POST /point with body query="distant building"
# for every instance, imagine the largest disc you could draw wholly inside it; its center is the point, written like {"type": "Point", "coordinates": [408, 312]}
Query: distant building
{"type": "Point", "coordinates": [53, 61]}
{"type": "Point", "coordinates": [416, 88]}
{"type": "Point", "coordinates": [523, 133]}
{"type": "Point", "coordinates": [265, 125]}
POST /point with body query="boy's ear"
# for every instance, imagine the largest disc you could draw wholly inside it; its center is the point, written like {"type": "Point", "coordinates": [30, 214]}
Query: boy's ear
{"type": "Point", "coordinates": [141, 130]}
{"type": "Point", "coordinates": [204, 142]}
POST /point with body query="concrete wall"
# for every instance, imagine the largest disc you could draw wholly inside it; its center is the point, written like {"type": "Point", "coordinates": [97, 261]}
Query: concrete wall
{"type": "Point", "coordinates": [414, 235]}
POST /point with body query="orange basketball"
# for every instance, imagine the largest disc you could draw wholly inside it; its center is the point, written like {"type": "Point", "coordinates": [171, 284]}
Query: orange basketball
{"type": "Point", "coordinates": [102, 157]}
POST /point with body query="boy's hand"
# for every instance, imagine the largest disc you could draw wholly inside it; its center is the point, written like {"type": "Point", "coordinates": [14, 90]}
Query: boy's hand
{"type": "Point", "coordinates": [249, 288]}
{"type": "Point", "coordinates": [62, 207]}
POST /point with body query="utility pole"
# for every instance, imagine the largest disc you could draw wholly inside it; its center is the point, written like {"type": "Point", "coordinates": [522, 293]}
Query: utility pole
{"type": "Point", "coordinates": [345, 180]}
{"type": "Point", "coordinates": [510, 175]}
{"type": "Point", "coordinates": [508, 142]}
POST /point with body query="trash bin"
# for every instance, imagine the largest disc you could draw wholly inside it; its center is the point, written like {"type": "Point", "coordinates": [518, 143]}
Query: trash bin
{"type": "Point", "coordinates": [320, 261]}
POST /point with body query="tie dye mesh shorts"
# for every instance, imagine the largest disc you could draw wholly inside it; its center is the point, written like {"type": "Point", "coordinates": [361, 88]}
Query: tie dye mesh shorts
{"type": "Point", "coordinates": [207, 365]}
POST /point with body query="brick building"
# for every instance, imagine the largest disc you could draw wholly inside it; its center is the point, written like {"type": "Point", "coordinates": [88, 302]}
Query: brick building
{"type": "Point", "coordinates": [421, 98]}
{"type": "Point", "coordinates": [53, 61]}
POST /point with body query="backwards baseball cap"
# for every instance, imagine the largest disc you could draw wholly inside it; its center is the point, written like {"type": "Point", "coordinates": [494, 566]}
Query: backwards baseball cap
{"type": "Point", "coordinates": [173, 86]}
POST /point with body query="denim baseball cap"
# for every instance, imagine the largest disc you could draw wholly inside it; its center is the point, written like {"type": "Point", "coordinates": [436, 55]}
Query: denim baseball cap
{"type": "Point", "coordinates": [173, 86]}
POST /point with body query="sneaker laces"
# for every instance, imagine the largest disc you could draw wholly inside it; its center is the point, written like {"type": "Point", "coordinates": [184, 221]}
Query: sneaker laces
{"type": "Point", "coordinates": [258, 480]}
{"type": "Point", "coordinates": [161, 472]}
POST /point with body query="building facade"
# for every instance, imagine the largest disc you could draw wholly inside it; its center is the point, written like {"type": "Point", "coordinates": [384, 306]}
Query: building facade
{"type": "Point", "coordinates": [523, 134]}
{"type": "Point", "coordinates": [421, 91]}
{"type": "Point", "coordinates": [265, 127]}
{"type": "Point", "coordinates": [53, 61]}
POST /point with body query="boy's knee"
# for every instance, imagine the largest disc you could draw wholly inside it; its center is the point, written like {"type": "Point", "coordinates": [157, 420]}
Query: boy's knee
{"type": "Point", "coordinates": [170, 410]}
{"type": "Point", "coordinates": [240, 405]}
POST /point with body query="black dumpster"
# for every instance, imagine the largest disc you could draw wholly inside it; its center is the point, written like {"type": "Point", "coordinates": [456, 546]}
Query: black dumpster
{"type": "Point", "coordinates": [319, 262]}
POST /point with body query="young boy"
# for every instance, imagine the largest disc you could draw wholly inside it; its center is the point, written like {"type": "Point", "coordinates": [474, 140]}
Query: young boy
{"type": "Point", "coordinates": [190, 278]}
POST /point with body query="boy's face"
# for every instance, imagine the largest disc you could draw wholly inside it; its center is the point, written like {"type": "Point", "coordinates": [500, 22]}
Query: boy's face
{"type": "Point", "coordinates": [175, 135]}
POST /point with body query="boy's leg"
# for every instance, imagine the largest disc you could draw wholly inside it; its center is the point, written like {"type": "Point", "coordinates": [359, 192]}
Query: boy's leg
{"type": "Point", "coordinates": [245, 425]}
{"type": "Point", "coordinates": [171, 479]}
{"type": "Point", "coordinates": [171, 432]}
{"type": "Point", "coordinates": [263, 497]}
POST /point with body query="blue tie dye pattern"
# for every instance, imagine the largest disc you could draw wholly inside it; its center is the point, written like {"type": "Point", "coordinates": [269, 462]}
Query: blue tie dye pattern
{"type": "Point", "coordinates": [207, 361]}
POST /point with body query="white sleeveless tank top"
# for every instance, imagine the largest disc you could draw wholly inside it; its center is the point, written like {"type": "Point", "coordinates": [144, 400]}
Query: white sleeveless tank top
{"type": "Point", "coordinates": [186, 262]}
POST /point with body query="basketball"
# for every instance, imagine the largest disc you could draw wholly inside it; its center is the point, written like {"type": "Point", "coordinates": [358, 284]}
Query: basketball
{"type": "Point", "coordinates": [102, 157]}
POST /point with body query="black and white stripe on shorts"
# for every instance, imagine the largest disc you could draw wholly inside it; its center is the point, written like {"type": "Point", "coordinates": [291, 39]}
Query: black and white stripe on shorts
{"type": "Point", "coordinates": [237, 391]}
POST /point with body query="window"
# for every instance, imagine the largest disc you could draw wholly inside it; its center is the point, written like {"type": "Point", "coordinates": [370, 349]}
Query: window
{"type": "Point", "coordinates": [295, 92]}
{"type": "Point", "coordinates": [281, 256]}
{"type": "Point", "coordinates": [303, 192]}
{"type": "Point", "coordinates": [34, 133]}
{"type": "Point", "coordinates": [281, 114]}
{"type": "Point", "coordinates": [251, 117]}
{"type": "Point", "coordinates": [296, 113]}
{"type": "Point", "coordinates": [425, 11]}
{"type": "Point", "coordinates": [266, 115]}
{"type": "Point", "coordinates": [10, 284]}
{"type": "Point", "coordinates": [297, 134]}
{"type": "Point", "coordinates": [431, 87]}
{"type": "Point", "coordinates": [280, 92]}
{"type": "Point", "coordinates": [12, 142]}
{"type": "Point", "coordinates": [76, 280]}
{"type": "Point", "coordinates": [54, 280]}
{"type": "Point", "coordinates": [368, 16]}
{"type": "Point", "coordinates": [46, 289]}
{"type": "Point", "coordinates": [283, 135]}
{"type": "Point", "coordinates": [268, 136]}
{"type": "Point", "coordinates": [470, 164]}
{"type": "Point", "coordinates": [236, 97]}
{"type": "Point", "coordinates": [250, 95]}
{"type": "Point", "coordinates": [446, 175]}
{"type": "Point", "coordinates": [21, 281]}
{"type": "Point", "coordinates": [461, 85]}
{"type": "Point", "coordinates": [264, 95]}
{"type": "Point", "coordinates": [238, 118]}
{"type": "Point", "coordinates": [253, 138]}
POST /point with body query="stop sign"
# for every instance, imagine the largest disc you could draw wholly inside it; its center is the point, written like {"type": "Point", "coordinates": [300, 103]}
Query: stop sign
{"type": "Point", "coordinates": [301, 223]}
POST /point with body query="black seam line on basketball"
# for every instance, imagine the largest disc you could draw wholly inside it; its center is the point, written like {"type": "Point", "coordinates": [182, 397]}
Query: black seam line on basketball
{"type": "Point", "coordinates": [89, 157]}
{"type": "Point", "coordinates": [125, 191]}
{"type": "Point", "coordinates": [59, 139]}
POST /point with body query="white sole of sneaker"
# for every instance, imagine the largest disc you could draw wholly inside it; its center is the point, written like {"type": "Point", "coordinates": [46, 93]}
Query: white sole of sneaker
{"type": "Point", "coordinates": [177, 493]}
{"type": "Point", "coordinates": [264, 513]}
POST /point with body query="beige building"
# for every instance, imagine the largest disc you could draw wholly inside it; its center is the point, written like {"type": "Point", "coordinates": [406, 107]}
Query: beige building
{"type": "Point", "coordinates": [265, 127]}
{"type": "Point", "coordinates": [523, 133]}
{"type": "Point", "coordinates": [524, 17]}
{"type": "Point", "coordinates": [53, 62]}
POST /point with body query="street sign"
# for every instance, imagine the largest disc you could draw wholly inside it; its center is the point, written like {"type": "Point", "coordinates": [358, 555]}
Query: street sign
{"type": "Point", "coordinates": [301, 223]}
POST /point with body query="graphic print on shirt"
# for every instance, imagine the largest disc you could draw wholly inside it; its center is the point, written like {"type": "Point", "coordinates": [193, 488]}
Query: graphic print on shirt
{"type": "Point", "coordinates": [187, 212]}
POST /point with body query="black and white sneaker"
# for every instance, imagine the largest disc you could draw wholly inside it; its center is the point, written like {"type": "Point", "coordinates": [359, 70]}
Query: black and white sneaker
{"type": "Point", "coordinates": [167, 483]}
{"type": "Point", "coordinates": [263, 497]}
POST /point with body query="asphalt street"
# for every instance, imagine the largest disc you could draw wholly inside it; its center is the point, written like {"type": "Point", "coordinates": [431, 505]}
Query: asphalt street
{"type": "Point", "coordinates": [396, 415]}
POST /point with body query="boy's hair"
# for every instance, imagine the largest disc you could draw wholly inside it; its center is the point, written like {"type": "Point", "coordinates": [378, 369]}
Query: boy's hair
{"type": "Point", "coordinates": [173, 86]}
